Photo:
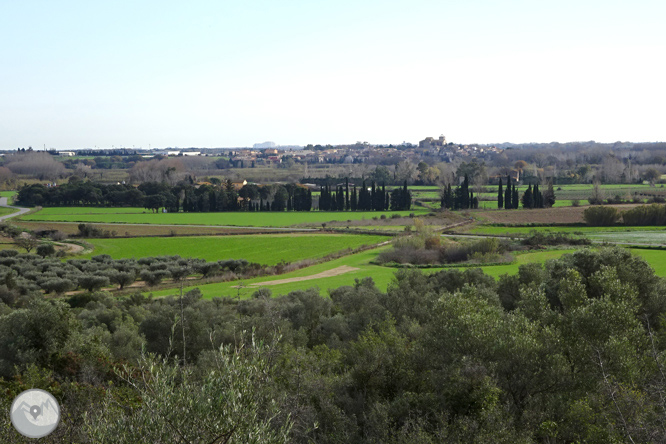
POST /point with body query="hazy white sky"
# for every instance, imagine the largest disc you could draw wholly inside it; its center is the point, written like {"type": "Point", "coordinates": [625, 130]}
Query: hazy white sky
{"type": "Point", "coordinates": [78, 74]}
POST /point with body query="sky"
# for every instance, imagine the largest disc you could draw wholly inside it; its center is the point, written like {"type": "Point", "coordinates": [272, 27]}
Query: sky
{"type": "Point", "coordinates": [86, 74]}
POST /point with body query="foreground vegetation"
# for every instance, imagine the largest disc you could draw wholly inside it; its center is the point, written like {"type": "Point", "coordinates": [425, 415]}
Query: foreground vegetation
{"type": "Point", "coordinates": [571, 352]}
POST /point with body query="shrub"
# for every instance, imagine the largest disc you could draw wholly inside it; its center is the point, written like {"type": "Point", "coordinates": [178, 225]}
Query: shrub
{"type": "Point", "coordinates": [601, 216]}
{"type": "Point", "coordinates": [432, 243]}
{"type": "Point", "coordinates": [540, 238]}
{"type": "Point", "coordinates": [58, 285]}
{"type": "Point", "coordinates": [413, 242]}
{"type": "Point", "coordinates": [575, 203]}
{"type": "Point", "coordinates": [46, 250]}
{"type": "Point", "coordinates": [123, 278]}
{"type": "Point", "coordinates": [155, 277]}
{"type": "Point", "coordinates": [654, 214]}
{"type": "Point", "coordinates": [209, 269]}
{"type": "Point", "coordinates": [93, 282]}
{"type": "Point", "coordinates": [409, 255]}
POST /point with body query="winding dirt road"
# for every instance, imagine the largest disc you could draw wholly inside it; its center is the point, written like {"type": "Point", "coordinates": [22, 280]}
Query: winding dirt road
{"type": "Point", "coordinates": [21, 210]}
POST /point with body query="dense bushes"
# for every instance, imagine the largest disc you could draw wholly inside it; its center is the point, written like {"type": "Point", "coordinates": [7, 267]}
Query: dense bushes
{"type": "Point", "coordinates": [642, 215]}
{"type": "Point", "coordinates": [569, 351]}
{"type": "Point", "coordinates": [23, 273]}
{"type": "Point", "coordinates": [654, 214]}
{"type": "Point", "coordinates": [537, 238]}
{"type": "Point", "coordinates": [413, 250]}
{"type": "Point", "coordinates": [601, 216]}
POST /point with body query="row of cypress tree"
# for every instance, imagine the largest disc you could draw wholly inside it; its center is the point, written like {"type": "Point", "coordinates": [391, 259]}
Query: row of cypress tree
{"type": "Point", "coordinates": [371, 198]}
{"type": "Point", "coordinates": [532, 197]}
{"type": "Point", "coordinates": [462, 198]}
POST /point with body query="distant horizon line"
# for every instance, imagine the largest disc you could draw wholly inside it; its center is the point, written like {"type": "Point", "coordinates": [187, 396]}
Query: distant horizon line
{"type": "Point", "coordinates": [297, 147]}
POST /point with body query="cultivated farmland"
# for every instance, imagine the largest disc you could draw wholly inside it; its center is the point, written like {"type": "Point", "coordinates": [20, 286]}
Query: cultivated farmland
{"type": "Point", "coordinates": [263, 249]}
{"type": "Point", "coordinates": [241, 219]}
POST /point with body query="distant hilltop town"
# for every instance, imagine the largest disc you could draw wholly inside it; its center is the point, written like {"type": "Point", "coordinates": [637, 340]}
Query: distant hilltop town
{"type": "Point", "coordinates": [269, 153]}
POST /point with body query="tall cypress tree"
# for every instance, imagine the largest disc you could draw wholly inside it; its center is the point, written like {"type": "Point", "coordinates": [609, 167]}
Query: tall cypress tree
{"type": "Point", "coordinates": [528, 198]}
{"type": "Point", "coordinates": [507, 194]}
{"type": "Point", "coordinates": [514, 197]}
{"type": "Point", "coordinates": [347, 202]}
{"type": "Point", "coordinates": [500, 196]}
{"type": "Point", "coordinates": [354, 200]}
{"type": "Point", "coordinates": [464, 204]}
{"type": "Point", "coordinates": [407, 197]}
{"type": "Point", "coordinates": [363, 197]}
{"type": "Point", "coordinates": [373, 196]}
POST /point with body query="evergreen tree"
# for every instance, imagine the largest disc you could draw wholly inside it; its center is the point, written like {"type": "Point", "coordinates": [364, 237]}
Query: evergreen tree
{"type": "Point", "coordinates": [528, 198]}
{"type": "Point", "coordinates": [407, 197]}
{"type": "Point", "coordinates": [373, 196]}
{"type": "Point", "coordinates": [464, 204]}
{"type": "Point", "coordinates": [500, 196]}
{"type": "Point", "coordinates": [361, 197]}
{"type": "Point", "coordinates": [536, 196]}
{"type": "Point", "coordinates": [354, 199]}
{"type": "Point", "coordinates": [514, 197]}
{"type": "Point", "coordinates": [451, 200]}
{"type": "Point", "coordinates": [549, 196]}
{"type": "Point", "coordinates": [347, 202]}
{"type": "Point", "coordinates": [507, 194]}
{"type": "Point", "coordinates": [322, 199]}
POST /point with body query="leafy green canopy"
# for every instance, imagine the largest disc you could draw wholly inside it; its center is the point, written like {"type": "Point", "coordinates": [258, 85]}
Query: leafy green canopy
{"type": "Point", "coordinates": [573, 350]}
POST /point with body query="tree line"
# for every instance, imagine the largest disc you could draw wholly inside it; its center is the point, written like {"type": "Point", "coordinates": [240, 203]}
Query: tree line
{"type": "Point", "coordinates": [366, 198]}
{"type": "Point", "coordinates": [642, 215]}
{"type": "Point", "coordinates": [463, 198]}
{"type": "Point", "coordinates": [214, 197]}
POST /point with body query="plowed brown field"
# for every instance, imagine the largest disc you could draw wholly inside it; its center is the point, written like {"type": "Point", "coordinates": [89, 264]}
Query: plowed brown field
{"type": "Point", "coordinates": [561, 215]}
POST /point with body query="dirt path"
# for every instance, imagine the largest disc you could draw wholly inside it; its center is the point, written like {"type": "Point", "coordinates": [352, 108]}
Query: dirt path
{"type": "Point", "coordinates": [70, 248]}
{"type": "Point", "coordinates": [324, 274]}
{"type": "Point", "coordinates": [3, 203]}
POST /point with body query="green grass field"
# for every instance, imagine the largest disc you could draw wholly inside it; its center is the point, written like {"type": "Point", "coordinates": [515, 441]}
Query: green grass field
{"type": "Point", "coordinates": [263, 249]}
{"type": "Point", "coordinates": [241, 219]}
{"type": "Point", "coordinates": [656, 259]}
{"type": "Point", "coordinates": [382, 276]}
{"type": "Point", "coordinates": [9, 195]}
{"type": "Point", "coordinates": [66, 211]}
{"type": "Point", "coordinates": [5, 211]}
